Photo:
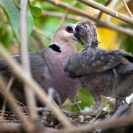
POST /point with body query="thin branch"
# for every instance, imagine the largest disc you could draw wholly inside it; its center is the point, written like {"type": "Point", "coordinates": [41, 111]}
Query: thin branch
{"type": "Point", "coordinates": [67, 12]}
{"type": "Point", "coordinates": [16, 4]}
{"type": "Point", "coordinates": [112, 6]}
{"type": "Point", "coordinates": [25, 59]}
{"type": "Point", "coordinates": [101, 108]}
{"type": "Point", "coordinates": [129, 12]}
{"type": "Point", "coordinates": [107, 11]}
{"type": "Point", "coordinates": [72, 104]}
{"type": "Point", "coordinates": [33, 85]}
{"type": "Point", "coordinates": [41, 32]}
{"type": "Point", "coordinates": [101, 23]}
{"type": "Point", "coordinates": [120, 5]}
{"type": "Point", "coordinates": [59, 15]}
{"type": "Point", "coordinates": [38, 40]}
{"type": "Point", "coordinates": [106, 3]}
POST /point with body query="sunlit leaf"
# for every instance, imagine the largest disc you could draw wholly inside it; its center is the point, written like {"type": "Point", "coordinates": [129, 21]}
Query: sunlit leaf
{"type": "Point", "coordinates": [85, 98]}
{"type": "Point", "coordinates": [36, 11]}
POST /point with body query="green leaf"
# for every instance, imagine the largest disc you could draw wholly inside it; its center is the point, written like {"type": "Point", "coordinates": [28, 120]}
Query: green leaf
{"type": "Point", "coordinates": [12, 13]}
{"type": "Point", "coordinates": [127, 45]}
{"type": "Point", "coordinates": [85, 98]}
{"type": "Point", "coordinates": [36, 11]}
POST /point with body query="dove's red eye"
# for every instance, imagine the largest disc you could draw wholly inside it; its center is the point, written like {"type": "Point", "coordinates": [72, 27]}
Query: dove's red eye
{"type": "Point", "coordinates": [69, 29]}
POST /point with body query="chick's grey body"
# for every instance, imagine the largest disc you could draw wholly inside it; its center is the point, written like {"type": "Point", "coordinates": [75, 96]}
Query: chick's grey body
{"type": "Point", "coordinates": [47, 67]}
{"type": "Point", "coordinates": [100, 72]}
{"type": "Point", "coordinates": [113, 78]}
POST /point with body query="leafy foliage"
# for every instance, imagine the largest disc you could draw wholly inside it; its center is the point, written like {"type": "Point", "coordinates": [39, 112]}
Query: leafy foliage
{"type": "Point", "coordinates": [35, 11]}
{"type": "Point", "coordinates": [13, 14]}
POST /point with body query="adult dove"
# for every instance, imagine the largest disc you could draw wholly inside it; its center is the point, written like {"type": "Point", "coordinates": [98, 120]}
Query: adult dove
{"type": "Point", "coordinates": [98, 71]}
{"type": "Point", "coordinates": [47, 66]}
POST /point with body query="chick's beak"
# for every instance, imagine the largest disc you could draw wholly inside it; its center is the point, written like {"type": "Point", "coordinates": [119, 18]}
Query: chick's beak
{"type": "Point", "coordinates": [79, 39]}
{"type": "Point", "coordinates": [77, 34]}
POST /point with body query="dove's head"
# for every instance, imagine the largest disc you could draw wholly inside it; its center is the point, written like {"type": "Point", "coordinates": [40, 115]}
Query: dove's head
{"type": "Point", "coordinates": [64, 37]}
{"type": "Point", "coordinates": [85, 31]}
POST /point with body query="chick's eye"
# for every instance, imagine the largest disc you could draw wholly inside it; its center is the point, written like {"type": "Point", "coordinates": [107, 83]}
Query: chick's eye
{"type": "Point", "coordinates": [69, 29]}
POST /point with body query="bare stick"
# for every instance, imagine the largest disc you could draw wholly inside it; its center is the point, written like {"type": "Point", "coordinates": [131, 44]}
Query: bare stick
{"type": "Point", "coordinates": [129, 12]}
{"type": "Point", "coordinates": [72, 104]}
{"type": "Point", "coordinates": [112, 6]}
{"type": "Point", "coordinates": [108, 11]}
{"type": "Point", "coordinates": [31, 83]}
{"type": "Point", "coordinates": [39, 43]}
{"type": "Point", "coordinates": [67, 11]}
{"type": "Point", "coordinates": [120, 5]}
{"type": "Point", "coordinates": [25, 59]}
{"type": "Point", "coordinates": [101, 108]}
{"type": "Point", "coordinates": [16, 4]}
{"type": "Point", "coordinates": [4, 103]}
{"type": "Point", "coordinates": [106, 3]}
{"type": "Point", "coordinates": [59, 15]}
{"type": "Point", "coordinates": [10, 98]}
{"type": "Point", "coordinates": [41, 32]}
{"type": "Point", "coordinates": [117, 28]}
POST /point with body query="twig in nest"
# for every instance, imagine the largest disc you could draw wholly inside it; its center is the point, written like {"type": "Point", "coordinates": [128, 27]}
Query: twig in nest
{"type": "Point", "coordinates": [4, 103]}
{"type": "Point", "coordinates": [77, 106]}
{"type": "Point", "coordinates": [70, 105]}
{"type": "Point", "coordinates": [101, 108]}
{"type": "Point", "coordinates": [10, 98]}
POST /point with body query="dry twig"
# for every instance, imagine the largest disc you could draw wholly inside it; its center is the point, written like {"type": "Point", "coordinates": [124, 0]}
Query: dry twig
{"type": "Point", "coordinates": [10, 98]}
{"type": "Point", "coordinates": [108, 11]}
{"type": "Point", "coordinates": [25, 59]}
{"type": "Point", "coordinates": [129, 12]}
{"type": "Point", "coordinates": [122, 30]}
{"type": "Point", "coordinates": [106, 3]}
{"type": "Point", "coordinates": [41, 32]}
{"type": "Point", "coordinates": [4, 103]}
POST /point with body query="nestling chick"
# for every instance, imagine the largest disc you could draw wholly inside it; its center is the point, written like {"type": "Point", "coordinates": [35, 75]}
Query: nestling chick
{"type": "Point", "coordinates": [100, 72]}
